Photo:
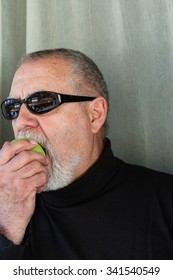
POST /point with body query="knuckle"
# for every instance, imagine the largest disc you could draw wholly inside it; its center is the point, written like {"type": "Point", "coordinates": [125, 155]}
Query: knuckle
{"type": "Point", "coordinates": [5, 153]}
{"type": "Point", "coordinates": [6, 148]}
{"type": "Point", "coordinates": [7, 145]}
{"type": "Point", "coordinates": [5, 177]}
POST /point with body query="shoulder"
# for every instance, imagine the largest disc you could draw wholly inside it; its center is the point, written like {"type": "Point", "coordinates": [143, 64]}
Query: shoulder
{"type": "Point", "coordinates": [146, 182]}
{"type": "Point", "coordinates": [133, 177]}
{"type": "Point", "coordinates": [148, 176]}
{"type": "Point", "coordinates": [140, 172]}
{"type": "Point", "coordinates": [135, 173]}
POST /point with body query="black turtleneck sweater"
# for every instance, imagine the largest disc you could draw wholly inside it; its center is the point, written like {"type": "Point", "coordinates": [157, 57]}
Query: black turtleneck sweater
{"type": "Point", "coordinates": [114, 211]}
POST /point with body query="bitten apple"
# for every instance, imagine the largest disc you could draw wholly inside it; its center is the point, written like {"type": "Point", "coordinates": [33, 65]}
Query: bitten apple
{"type": "Point", "coordinates": [37, 149]}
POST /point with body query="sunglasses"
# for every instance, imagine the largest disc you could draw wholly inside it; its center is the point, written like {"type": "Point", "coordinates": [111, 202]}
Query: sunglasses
{"type": "Point", "coordinates": [39, 103]}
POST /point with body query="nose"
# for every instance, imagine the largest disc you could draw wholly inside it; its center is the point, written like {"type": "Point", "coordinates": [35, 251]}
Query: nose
{"type": "Point", "coordinates": [25, 120]}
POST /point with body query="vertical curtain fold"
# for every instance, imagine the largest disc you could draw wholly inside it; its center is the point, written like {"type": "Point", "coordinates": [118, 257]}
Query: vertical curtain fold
{"type": "Point", "coordinates": [13, 45]}
{"type": "Point", "coordinates": [0, 69]}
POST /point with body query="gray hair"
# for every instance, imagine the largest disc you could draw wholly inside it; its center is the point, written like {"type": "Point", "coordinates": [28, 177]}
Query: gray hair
{"type": "Point", "coordinates": [86, 76]}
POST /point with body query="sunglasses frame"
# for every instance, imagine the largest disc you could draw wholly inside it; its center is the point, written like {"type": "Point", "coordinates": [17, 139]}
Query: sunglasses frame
{"type": "Point", "coordinates": [60, 98]}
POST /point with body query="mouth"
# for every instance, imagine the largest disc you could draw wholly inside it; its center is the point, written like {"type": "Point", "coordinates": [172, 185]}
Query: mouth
{"type": "Point", "coordinates": [40, 139]}
{"type": "Point", "coordinates": [44, 150]}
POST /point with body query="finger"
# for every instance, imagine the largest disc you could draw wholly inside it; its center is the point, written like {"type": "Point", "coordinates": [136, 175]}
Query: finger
{"type": "Point", "coordinates": [25, 157]}
{"type": "Point", "coordinates": [31, 169]}
{"type": "Point", "coordinates": [10, 149]}
{"type": "Point", "coordinates": [18, 189]}
{"type": "Point", "coordinates": [33, 184]}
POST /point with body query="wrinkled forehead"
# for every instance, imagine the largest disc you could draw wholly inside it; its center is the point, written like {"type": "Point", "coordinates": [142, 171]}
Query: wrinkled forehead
{"type": "Point", "coordinates": [42, 67]}
{"type": "Point", "coordinates": [41, 74]}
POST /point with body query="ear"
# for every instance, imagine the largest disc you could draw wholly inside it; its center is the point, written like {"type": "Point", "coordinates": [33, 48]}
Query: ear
{"type": "Point", "coordinates": [98, 113]}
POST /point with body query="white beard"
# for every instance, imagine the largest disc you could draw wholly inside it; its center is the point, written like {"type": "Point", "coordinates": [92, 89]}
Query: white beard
{"type": "Point", "coordinates": [60, 175]}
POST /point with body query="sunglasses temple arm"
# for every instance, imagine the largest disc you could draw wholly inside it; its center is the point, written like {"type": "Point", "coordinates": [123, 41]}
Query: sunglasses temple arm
{"type": "Point", "coordinates": [73, 98]}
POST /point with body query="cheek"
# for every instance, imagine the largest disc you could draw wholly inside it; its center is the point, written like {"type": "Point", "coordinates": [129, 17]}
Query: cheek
{"type": "Point", "coordinates": [14, 128]}
{"type": "Point", "coordinates": [70, 133]}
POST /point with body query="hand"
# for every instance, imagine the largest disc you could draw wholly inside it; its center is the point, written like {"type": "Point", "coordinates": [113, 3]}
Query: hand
{"type": "Point", "coordinates": [23, 173]}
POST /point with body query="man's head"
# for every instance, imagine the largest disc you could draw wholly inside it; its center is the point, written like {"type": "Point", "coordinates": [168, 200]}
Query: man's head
{"type": "Point", "coordinates": [84, 75]}
{"type": "Point", "coordinates": [72, 133]}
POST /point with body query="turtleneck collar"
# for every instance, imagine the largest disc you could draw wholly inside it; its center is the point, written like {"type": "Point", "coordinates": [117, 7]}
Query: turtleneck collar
{"type": "Point", "coordinates": [88, 186]}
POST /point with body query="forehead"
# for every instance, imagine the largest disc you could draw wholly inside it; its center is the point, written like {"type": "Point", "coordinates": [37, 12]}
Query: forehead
{"type": "Point", "coordinates": [41, 72]}
{"type": "Point", "coordinates": [46, 66]}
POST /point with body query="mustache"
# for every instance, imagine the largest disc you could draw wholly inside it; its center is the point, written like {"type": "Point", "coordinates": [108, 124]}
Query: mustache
{"type": "Point", "coordinates": [40, 138]}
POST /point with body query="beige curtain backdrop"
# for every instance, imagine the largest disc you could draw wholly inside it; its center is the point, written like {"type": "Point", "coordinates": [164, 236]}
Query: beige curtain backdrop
{"type": "Point", "coordinates": [132, 43]}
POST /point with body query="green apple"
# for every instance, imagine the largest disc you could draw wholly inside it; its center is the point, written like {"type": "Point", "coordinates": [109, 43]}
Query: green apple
{"type": "Point", "coordinates": [37, 149]}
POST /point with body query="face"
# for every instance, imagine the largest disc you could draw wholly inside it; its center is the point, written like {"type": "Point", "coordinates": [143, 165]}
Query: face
{"type": "Point", "coordinates": [66, 132]}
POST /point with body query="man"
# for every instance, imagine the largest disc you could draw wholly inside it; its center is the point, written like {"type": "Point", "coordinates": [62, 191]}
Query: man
{"type": "Point", "coordinates": [78, 202]}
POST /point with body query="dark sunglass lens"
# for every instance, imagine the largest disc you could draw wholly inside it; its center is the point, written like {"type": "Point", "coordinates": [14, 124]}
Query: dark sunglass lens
{"type": "Point", "coordinates": [41, 102]}
{"type": "Point", "coordinates": [10, 108]}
